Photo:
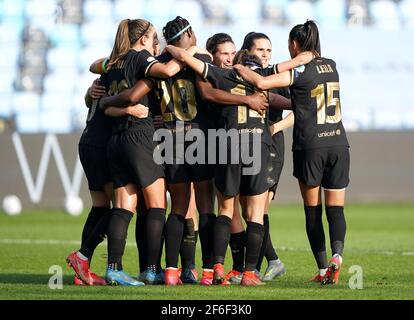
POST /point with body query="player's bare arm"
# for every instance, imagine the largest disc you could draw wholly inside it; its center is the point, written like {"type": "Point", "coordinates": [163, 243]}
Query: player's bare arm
{"type": "Point", "coordinates": [137, 111]}
{"type": "Point", "coordinates": [277, 101]}
{"type": "Point", "coordinates": [257, 101]}
{"type": "Point", "coordinates": [279, 80]}
{"type": "Point", "coordinates": [171, 68]}
{"type": "Point", "coordinates": [301, 59]}
{"type": "Point", "coordinates": [127, 97]}
{"type": "Point", "coordinates": [281, 125]}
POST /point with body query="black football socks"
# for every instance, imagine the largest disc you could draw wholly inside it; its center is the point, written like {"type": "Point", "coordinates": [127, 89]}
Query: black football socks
{"type": "Point", "coordinates": [238, 247]}
{"type": "Point", "coordinates": [117, 234]}
{"type": "Point", "coordinates": [206, 231]}
{"type": "Point", "coordinates": [254, 239]}
{"type": "Point", "coordinates": [174, 230]}
{"type": "Point", "coordinates": [188, 245]}
{"type": "Point", "coordinates": [316, 235]}
{"type": "Point", "coordinates": [155, 223]}
{"type": "Point", "coordinates": [94, 230]}
{"type": "Point", "coordinates": [337, 228]}
{"type": "Point", "coordinates": [221, 238]}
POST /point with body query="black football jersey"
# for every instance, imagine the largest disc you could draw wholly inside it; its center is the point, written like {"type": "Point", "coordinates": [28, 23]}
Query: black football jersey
{"type": "Point", "coordinates": [275, 115]}
{"type": "Point", "coordinates": [179, 99]}
{"type": "Point", "coordinates": [316, 104]}
{"type": "Point", "coordinates": [237, 117]}
{"type": "Point", "coordinates": [98, 126]}
{"type": "Point", "coordinates": [115, 83]}
{"type": "Point", "coordinates": [136, 67]}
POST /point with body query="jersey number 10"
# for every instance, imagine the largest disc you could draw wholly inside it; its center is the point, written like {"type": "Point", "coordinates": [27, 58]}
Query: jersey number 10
{"type": "Point", "coordinates": [322, 103]}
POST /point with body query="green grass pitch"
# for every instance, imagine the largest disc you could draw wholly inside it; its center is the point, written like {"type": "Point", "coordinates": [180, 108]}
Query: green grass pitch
{"type": "Point", "coordinates": [380, 239]}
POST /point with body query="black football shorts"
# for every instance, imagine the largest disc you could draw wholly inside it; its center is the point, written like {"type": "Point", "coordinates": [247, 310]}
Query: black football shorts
{"type": "Point", "coordinates": [130, 155]}
{"type": "Point", "coordinates": [95, 166]}
{"type": "Point", "coordinates": [327, 167]}
{"type": "Point", "coordinates": [277, 156]}
{"type": "Point", "coordinates": [231, 179]}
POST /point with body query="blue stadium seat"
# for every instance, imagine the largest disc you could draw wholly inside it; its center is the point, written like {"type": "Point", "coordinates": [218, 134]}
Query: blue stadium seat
{"type": "Point", "coordinates": [12, 8]}
{"type": "Point", "coordinates": [97, 10]}
{"type": "Point", "coordinates": [385, 15]}
{"type": "Point", "coordinates": [83, 82]}
{"type": "Point", "coordinates": [7, 77]}
{"type": "Point", "coordinates": [217, 11]}
{"type": "Point", "coordinates": [63, 58]}
{"type": "Point", "coordinates": [407, 13]}
{"type": "Point", "coordinates": [331, 13]}
{"type": "Point", "coordinates": [274, 11]}
{"type": "Point", "coordinates": [9, 54]}
{"type": "Point", "coordinates": [246, 12]}
{"type": "Point", "coordinates": [27, 121]}
{"type": "Point", "coordinates": [190, 10]}
{"type": "Point", "coordinates": [40, 8]}
{"type": "Point", "coordinates": [25, 101]}
{"type": "Point", "coordinates": [91, 53]}
{"type": "Point", "coordinates": [62, 81]}
{"type": "Point", "coordinates": [10, 32]}
{"type": "Point", "coordinates": [298, 11]}
{"type": "Point", "coordinates": [128, 9]}
{"type": "Point", "coordinates": [56, 121]}
{"type": "Point", "coordinates": [5, 104]}
{"type": "Point", "coordinates": [159, 12]}
{"type": "Point", "coordinates": [97, 32]}
{"type": "Point", "coordinates": [55, 101]}
{"type": "Point", "coordinates": [65, 35]}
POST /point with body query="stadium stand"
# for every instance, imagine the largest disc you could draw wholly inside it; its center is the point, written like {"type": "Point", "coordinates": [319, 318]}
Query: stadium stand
{"type": "Point", "coordinates": [46, 47]}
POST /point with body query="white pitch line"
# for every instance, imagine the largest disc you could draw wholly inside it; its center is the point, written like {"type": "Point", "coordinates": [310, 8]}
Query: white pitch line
{"type": "Point", "coordinates": [130, 244]}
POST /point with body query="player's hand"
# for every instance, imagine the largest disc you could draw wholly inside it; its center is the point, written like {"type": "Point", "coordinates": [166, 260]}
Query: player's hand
{"type": "Point", "coordinates": [96, 91]}
{"type": "Point", "coordinates": [158, 122]}
{"type": "Point", "coordinates": [238, 67]}
{"type": "Point", "coordinates": [257, 102]}
{"type": "Point", "coordinates": [204, 51]}
{"type": "Point", "coordinates": [138, 111]}
{"type": "Point", "coordinates": [274, 128]}
{"type": "Point", "coordinates": [174, 51]}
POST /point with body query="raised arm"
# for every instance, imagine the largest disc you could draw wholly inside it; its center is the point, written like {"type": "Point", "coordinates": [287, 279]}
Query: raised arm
{"type": "Point", "coordinates": [172, 67]}
{"type": "Point", "coordinates": [257, 101]}
{"type": "Point", "coordinates": [279, 80]}
{"type": "Point", "coordinates": [127, 97]}
{"type": "Point", "coordinates": [184, 56]}
{"type": "Point", "coordinates": [301, 59]}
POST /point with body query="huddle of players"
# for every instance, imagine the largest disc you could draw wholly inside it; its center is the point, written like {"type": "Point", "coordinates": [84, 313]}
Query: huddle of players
{"type": "Point", "coordinates": [183, 85]}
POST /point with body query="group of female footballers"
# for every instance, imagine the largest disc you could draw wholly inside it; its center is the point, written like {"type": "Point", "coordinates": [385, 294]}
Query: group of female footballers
{"type": "Point", "coordinates": [188, 90]}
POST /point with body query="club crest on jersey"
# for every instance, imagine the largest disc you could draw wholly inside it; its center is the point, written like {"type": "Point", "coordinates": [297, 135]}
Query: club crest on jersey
{"type": "Point", "coordinates": [300, 69]}
{"type": "Point", "coordinates": [150, 59]}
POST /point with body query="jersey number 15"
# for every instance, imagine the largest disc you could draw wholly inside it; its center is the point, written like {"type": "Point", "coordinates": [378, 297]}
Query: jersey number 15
{"type": "Point", "coordinates": [324, 101]}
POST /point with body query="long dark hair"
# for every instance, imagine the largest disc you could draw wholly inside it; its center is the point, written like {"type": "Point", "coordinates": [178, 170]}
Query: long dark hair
{"type": "Point", "coordinates": [174, 29]}
{"type": "Point", "coordinates": [249, 39]}
{"type": "Point", "coordinates": [243, 57]}
{"type": "Point", "coordinates": [214, 41]}
{"type": "Point", "coordinates": [307, 36]}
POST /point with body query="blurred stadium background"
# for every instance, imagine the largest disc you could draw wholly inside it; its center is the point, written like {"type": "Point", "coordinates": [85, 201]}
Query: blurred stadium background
{"type": "Point", "coordinates": [46, 47]}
